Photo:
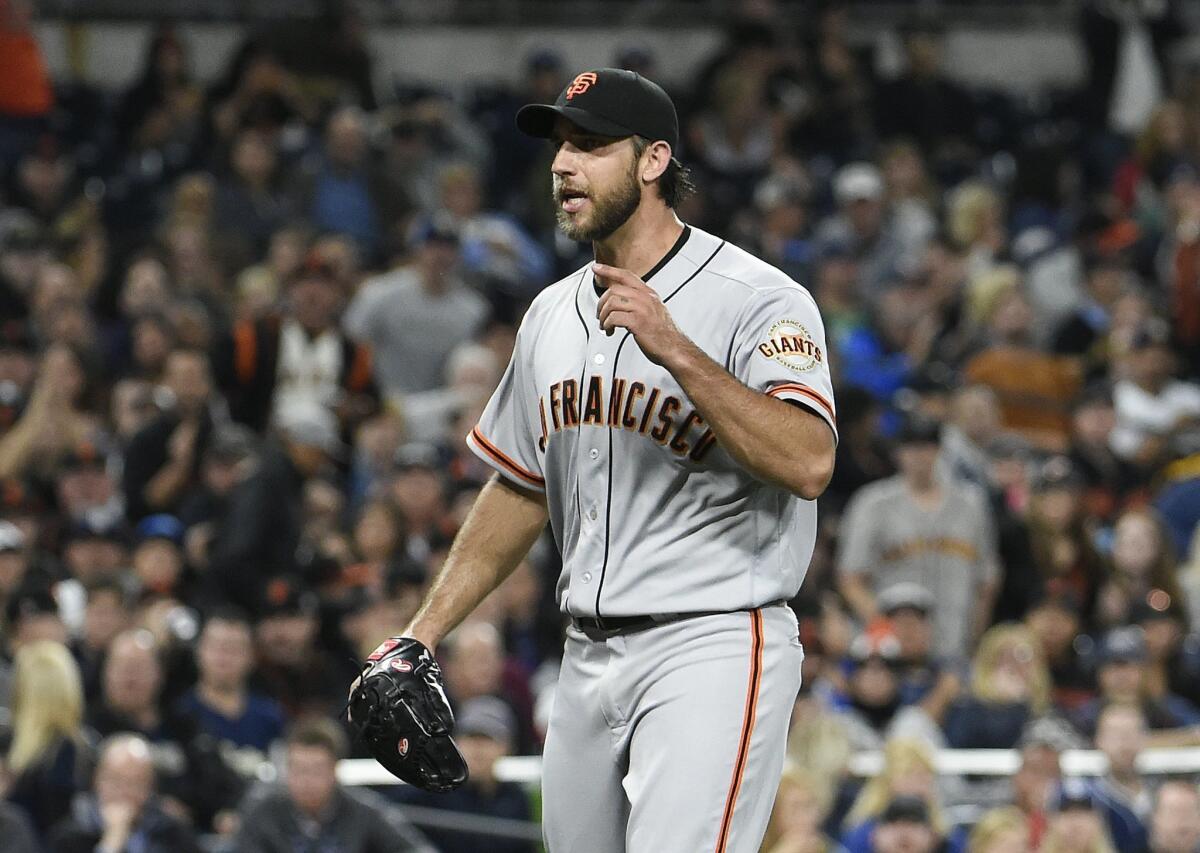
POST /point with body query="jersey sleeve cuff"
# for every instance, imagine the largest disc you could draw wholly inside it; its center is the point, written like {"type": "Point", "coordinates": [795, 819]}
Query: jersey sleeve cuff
{"type": "Point", "coordinates": [794, 392]}
{"type": "Point", "coordinates": [503, 463]}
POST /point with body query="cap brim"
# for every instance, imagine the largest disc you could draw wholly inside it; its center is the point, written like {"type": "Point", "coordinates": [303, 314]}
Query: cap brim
{"type": "Point", "coordinates": [539, 120]}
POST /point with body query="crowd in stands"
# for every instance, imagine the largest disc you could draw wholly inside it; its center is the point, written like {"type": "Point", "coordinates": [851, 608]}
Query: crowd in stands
{"type": "Point", "coordinates": [247, 323]}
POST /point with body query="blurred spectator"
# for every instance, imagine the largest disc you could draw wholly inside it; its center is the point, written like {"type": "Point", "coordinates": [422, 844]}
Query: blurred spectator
{"type": "Point", "coordinates": [1141, 562]}
{"type": "Point", "coordinates": [973, 426]}
{"type": "Point", "coordinates": [1084, 333]}
{"type": "Point", "coordinates": [1010, 685]}
{"type": "Point", "coordinates": [873, 696]}
{"type": "Point", "coordinates": [1121, 736]}
{"type": "Point", "coordinates": [106, 614]}
{"type": "Point", "coordinates": [923, 103]}
{"type": "Point", "coordinates": [342, 184]}
{"type": "Point", "coordinates": [1033, 388]}
{"type": "Point", "coordinates": [509, 264]}
{"type": "Point", "coordinates": [1173, 660]}
{"type": "Point", "coordinates": [1122, 678]}
{"type": "Point", "coordinates": [163, 459]}
{"type": "Point", "coordinates": [486, 730]}
{"type": "Point", "coordinates": [221, 702]}
{"type": "Point", "coordinates": [251, 204]}
{"type": "Point", "coordinates": [863, 227]}
{"type": "Point", "coordinates": [1108, 479]}
{"type": "Point", "coordinates": [54, 421]}
{"type": "Point", "coordinates": [908, 772]}
{"type": "Point", "coordinates": [1077, 824]}
{"type": "Point", "coordinates": [1152, 406]}
{"type": "Point", "coordinates": [803, 801]}
{"type": "Point", "coordinates": [298, 357]}
{"type": "Point", "coordinates": [292, 668]}
{"type": "Point", "coordinates": [475, 665]}
{"type": "Point", "coordinates": [415, 316]}
{"type": "Point", "coordinates": [312, 811]}
{"type": "Point", "coordinates": [1036, 780]}
{"type": "Point", "coordinates": [905, 826]}
{"type": "Point", "coordinates": [937, 535]}
{"type": "Point", "coordinates": [1054, 621]}
{"type": "Point", "coordinates": [49, 756]}
{"type": "Point", "coordinates": [259, 533]}
{"type": "Point", "coordinates": [1001, 830]}
{"type": "Point", "coordinates": [26, 95]}
{"type": "Point", "coordinates": [1175, 822]}
{"type": "Point", "coordinates": [121, 811]}
{"type": "Point", "coordinates": [925, 679]}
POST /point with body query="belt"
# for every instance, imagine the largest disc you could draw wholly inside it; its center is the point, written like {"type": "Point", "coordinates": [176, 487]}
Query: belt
{"type": "Point", "coordinates": [599, 628]}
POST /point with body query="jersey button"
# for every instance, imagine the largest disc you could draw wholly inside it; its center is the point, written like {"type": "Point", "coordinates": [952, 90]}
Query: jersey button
{"type": "Point", "coordinates": [598, 358]}
{"type": "Point", "coordinates": [587, 577]}
{"type": "Point", "coordinates": [592, 513]}
{"type": "Point", "coordinates": [594, 453]}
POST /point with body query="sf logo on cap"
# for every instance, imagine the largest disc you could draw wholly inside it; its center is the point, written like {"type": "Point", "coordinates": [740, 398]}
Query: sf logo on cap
{"type": "Point", "coordinates": [581, 84]}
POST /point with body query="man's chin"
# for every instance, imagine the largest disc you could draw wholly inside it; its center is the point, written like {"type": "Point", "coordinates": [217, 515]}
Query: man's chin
{"type": "Point", "coordinates": [575, 228]}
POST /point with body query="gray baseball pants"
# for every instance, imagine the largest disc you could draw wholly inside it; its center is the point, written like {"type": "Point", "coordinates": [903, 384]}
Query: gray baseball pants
{"type": "Point", "coordinates": [671, 739]}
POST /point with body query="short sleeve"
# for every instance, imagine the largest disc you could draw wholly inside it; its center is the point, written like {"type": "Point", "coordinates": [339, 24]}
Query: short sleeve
{"type": "Point", "coordinates": [779, 349]}
{"type": "Point", "coordinates": [507, 434]}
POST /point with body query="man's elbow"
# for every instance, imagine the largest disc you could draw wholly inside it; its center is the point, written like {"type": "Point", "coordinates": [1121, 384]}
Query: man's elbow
{"type": "Point", "coordinates": [813, 476]}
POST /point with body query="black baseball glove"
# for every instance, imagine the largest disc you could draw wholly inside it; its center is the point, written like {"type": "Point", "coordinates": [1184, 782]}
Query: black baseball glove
{"type": "Point", "coordinates": [399, 709]}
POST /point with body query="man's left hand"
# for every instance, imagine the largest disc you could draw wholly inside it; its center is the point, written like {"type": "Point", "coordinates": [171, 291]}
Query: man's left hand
{"type": "Point", "coordinates": [630, 303]}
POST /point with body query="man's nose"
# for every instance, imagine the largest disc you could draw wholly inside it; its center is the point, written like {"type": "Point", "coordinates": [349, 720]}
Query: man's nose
{"type": "Point", "coordinates": [564, 161]}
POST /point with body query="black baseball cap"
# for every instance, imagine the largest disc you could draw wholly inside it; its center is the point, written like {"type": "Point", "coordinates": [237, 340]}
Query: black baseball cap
{"type": "Point", "coordinates": [906, 809]}
{"type": "Point", "coordinates": [608, 101]}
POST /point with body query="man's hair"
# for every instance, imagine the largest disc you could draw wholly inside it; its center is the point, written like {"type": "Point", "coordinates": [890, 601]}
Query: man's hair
{"type": "Point", "coordinates": [675, 183]}
{"type": "Point", "coordinates": [230, 614]}
{"type": "Point", "coordinates": [321, 733]}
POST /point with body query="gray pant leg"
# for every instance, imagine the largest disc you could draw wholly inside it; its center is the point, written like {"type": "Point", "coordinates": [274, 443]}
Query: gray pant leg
{"type": "Point", "coordinates": [584, 807]}
{"type": "Point", "coordinates": [708, 730]}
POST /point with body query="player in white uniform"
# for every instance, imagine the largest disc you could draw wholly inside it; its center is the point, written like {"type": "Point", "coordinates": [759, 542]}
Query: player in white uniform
{"type": "Point", "coordinates": [670, 412]}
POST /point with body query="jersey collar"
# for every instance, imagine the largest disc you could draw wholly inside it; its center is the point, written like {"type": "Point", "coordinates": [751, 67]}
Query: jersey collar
{"type": "Point", "coordinates": [662, 262]}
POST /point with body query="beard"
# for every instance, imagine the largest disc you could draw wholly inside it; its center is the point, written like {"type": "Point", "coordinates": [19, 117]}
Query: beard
{"type": "Point", "coordinates": [609, 211]}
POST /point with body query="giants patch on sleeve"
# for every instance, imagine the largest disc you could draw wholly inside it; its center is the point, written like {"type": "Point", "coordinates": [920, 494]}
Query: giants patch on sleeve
{"type": "Point", "coordinates": [790, 344]}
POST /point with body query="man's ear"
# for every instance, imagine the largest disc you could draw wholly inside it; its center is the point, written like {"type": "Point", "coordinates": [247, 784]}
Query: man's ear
{"type": "Point", "coordinates": [655, 160]}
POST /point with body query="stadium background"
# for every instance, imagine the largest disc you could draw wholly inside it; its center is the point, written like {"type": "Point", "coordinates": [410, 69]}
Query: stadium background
{"type": "Point", "coordinates": [261, 262]}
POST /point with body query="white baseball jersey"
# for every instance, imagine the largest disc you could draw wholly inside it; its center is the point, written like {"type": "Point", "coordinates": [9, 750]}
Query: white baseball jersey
{"type": "Point", "coordinates": [651, 514]}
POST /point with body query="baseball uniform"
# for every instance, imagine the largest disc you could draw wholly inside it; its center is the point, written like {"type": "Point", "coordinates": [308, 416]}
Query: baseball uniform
{"type": "Point", "coordinates": [670, 737]}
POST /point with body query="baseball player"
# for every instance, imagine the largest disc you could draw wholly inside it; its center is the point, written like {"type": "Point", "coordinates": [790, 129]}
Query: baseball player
{"type": "Point", "coordinates": [668, 410]}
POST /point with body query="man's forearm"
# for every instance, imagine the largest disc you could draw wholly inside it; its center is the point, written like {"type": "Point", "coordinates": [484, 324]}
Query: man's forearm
{"type": "Point", "coordinates": [499, 531]}
{"type": "Point", "coordinates": [858, 595]}
{"type": "Point", "coordinates": [776, 442]}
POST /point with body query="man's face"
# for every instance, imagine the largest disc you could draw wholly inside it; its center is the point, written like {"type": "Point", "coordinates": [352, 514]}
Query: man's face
{"type": "Point", "coordinates": [1175, 824]}
{"type": "Point", "coordinates": [224, 654]}
{"type": "Point", "coordinates": [917, 461]}
{"type": "Point", "coordinates": [914, 631]}
{"type": "Point", "coordinates": [865, 215]}
{"type": "Point", "coordinates": [873, 683]}
{"type": "Point", "coordinates": [481, 754]}
{"type": "Point", "coordinates": [125, 775]}
{"type": "Point", "coordinates": [596, 182]}
{"type": "Point", "coordinates": [12, 570]}
{"type": "Point", "coordinates": [1036, 778]}
{"type": "Point", "coordinates": [92, 559]}
{"type": "Point", "coordinates": [1121, 735]}
{"type": "Point", "coordinates": [132, 676]}
{"type": "Point", "coordinates": [1121, 681]}
{"type": "Point", "coordinates": [188, 378]}
{"type": "Point", "coordinates": [311, 777]}
{"type": "Point", "coordinates": [286, 639]}
{"type": "Point", "coordinates": [104, 617]}
{"type": "Point", "coordinates": [1055, 628]}
{"type": "Point", "coordinates": [314, 301]}
{"type": "Point", "coordinates": [904, 836]}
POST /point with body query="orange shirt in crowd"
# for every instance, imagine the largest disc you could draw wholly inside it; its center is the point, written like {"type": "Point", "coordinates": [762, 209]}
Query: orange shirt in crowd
{"type": "Point", "coordinates": [25, 90]}
{"type": "Point", "coordinates": [1034, 391]}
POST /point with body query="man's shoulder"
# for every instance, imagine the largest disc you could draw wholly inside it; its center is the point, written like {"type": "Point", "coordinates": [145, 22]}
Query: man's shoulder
{"type": "Point", "coordinates": [739, 265]}
{"type": "Point", "coordinates": [559, 296]}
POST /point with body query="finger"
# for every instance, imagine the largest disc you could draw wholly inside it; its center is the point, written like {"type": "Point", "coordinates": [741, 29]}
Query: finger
{"type": "Point", "coordinates": [618, 320]}
{"type": "Point", "coordinates": [616, 275]}
{"type": "Point", "coordinates": [617, 304]}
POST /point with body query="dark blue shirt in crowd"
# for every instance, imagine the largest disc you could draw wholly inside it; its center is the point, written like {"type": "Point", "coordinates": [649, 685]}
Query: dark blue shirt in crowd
{"type": "Point", "coordinates": [261, 721]}
{"type": "Point", "coordinates": [974, 724]}
{"type": "Point", "coordinates": [508, 800]}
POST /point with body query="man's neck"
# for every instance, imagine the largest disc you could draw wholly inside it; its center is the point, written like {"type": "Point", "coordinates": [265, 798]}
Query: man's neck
{"type": "Point", "coordinates": [642, 241]}
{"type": "Point", "coordinates": [227, 700]}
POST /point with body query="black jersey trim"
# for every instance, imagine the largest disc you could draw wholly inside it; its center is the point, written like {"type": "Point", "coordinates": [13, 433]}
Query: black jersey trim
{"type": "Point", "coordinates": [662, 262]}
{"type": "Point", "coordinates": [616, 359]}
{"type": "Point", "coordinates": [587, 337]}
